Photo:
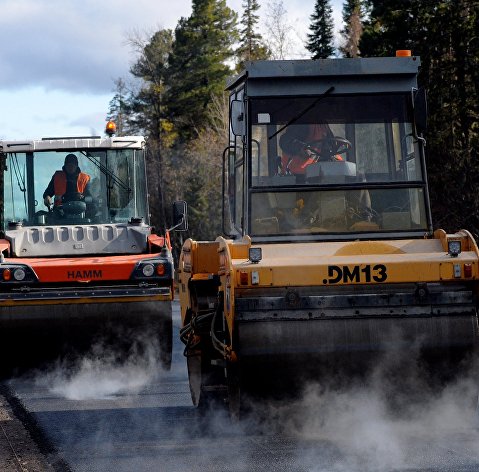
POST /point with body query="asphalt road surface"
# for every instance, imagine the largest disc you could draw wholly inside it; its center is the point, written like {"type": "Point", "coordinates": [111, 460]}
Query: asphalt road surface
{"type": "Point", "coordinates": [99, 416]}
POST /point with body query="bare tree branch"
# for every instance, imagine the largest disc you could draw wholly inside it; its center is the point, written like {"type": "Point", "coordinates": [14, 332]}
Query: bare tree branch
{"type": "Point", "coordinates": [279, 30]}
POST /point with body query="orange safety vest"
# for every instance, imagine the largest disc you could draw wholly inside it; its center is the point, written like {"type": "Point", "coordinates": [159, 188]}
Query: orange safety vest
{"type": "Point", "coordinates": [298, 164]}
{"type": "Point", "coordinates": [60, 184]}
{"type": "Point", "coordinates": [295, 164]}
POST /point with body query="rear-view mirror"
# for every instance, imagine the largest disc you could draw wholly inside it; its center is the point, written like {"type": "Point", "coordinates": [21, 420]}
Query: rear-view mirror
{"type": "Point", "coordinates": [237, 118]}
{"type": "Point", "coordinates": [180, 216]}
{"type": "Point", "coordinates": [420, 109]}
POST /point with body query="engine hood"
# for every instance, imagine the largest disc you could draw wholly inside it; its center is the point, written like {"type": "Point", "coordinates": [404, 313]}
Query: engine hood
{"type": "Point", "coordinates": [78, 240]}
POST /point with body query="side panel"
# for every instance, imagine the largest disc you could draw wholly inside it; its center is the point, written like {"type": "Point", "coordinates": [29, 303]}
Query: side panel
{"type": "Point", "coordinates": [198, 263]}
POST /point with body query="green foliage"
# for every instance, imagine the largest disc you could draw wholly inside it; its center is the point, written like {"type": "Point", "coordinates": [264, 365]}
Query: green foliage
{"type": "Point", "coordinates": [445, 34]}
{"type": "Point", "coordinates": [251, 46]}
{"type": "Point", "coordinates": [320, 40]}
{"type": "Point", "coordinates": [393, 24]}
{"type": "Point", "coordinates": [198, 64]}
{"type": "Point", "coordinates": [148, 113]}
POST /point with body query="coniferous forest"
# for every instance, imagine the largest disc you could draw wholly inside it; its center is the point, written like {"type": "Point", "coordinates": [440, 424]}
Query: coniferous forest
{"type": "Point", "coordinates": [175, 93]}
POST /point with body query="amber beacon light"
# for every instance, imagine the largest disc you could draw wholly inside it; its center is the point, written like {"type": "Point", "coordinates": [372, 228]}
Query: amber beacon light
{"type": "Point", "coordinates": [110, 128]}
{"type": "Point", "coordinates": [403, 53]}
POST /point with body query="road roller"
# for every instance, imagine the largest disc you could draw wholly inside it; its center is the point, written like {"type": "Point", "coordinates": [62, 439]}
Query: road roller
{"type": "Point", "coordinates": [329, 258]}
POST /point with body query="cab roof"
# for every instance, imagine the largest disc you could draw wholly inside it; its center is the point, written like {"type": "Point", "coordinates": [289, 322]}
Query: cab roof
{"type": "Point", "coordinates": [309, 77]}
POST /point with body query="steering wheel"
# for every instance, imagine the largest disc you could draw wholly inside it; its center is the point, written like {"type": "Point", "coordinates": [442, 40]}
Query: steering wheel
{"type": "Point", "coordinates": [72, 197]}
{"type": "Point", "coordinates": [326, 148]}
{"type": "Point", "coordinates": [72, 205]}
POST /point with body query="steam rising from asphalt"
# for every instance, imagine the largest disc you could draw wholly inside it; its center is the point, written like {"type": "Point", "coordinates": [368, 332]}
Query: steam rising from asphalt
{"type": "Point", "coordinates": [373, 424]}
{"type": "Point", "coordinates": [357, 429]}
{"type": "Point", "coordinates": [390, 420]}
{"type": "Point", "coordinates": [376, 424]}
{"type": "Point", "coordinates": [104, 371]}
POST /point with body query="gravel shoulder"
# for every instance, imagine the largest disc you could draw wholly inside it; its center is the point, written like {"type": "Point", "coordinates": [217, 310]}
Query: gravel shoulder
{"type": "Point", "coordinates": [19, 451]}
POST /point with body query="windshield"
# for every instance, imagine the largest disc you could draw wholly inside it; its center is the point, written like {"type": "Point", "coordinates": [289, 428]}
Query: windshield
{"type": "Point", "coordinates": [108, 186]}
{"type": "Point", "coordinates": [340, 164]}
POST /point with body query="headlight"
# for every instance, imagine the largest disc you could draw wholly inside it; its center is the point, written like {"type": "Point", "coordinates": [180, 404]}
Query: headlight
{"type": "Point", "coordinates": [454, 248]}
{"type": "Point", "coordinates": [19, 274]}
{"type": "Point", "coordinates": [148, 270]}
{"type": "Point", "coordinates": [255, 254]}
{"type": "Point", "coordinates": [153, 270]}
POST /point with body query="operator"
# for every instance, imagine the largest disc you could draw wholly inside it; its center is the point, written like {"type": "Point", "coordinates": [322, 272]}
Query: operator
{"type": "Point", "coordinates": [68, 181]}
{"type": "Point", "coordinates": [304, 145]}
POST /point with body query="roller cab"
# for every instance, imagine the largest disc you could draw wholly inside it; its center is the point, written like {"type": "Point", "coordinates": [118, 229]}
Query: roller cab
{"type": "Point", "coordinates": [329, 253]}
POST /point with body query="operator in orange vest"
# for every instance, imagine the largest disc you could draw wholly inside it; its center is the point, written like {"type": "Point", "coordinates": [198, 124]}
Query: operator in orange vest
{"type": "Point", "coordinates": [68, 181]}
{"type": "Point", "coordinates": [304, 145]}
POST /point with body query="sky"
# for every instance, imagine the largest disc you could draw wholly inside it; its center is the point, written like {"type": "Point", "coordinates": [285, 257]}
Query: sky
{"type": "Point", "coordinates": [59, 58]}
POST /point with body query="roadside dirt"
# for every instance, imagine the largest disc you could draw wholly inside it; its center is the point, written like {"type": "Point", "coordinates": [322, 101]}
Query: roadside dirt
{"type": "Point", "coordinates": [18, 451]}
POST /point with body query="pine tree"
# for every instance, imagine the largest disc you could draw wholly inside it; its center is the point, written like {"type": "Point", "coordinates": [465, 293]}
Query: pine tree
{"type": "Point", "coordinates": [198, 64]}
{"type": "Point", "coordinates": [353, 28]}
{"type": "Point", "coordinates": [393, 24]}
{"type": "Point", "coordinates": [320, 40]}
{"type": "Point", "coordinates": [251, 43]}
{"type": "Point", "coordinates": [147, 110]}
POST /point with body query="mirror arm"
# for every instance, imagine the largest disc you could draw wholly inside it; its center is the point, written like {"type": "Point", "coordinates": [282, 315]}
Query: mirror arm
{"type": "Point", "coordinates": [223, 187]}
{"type": "Point", "coordinates": [177, 225]}
{"type": "Point", "coordinates": [414, 94]}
